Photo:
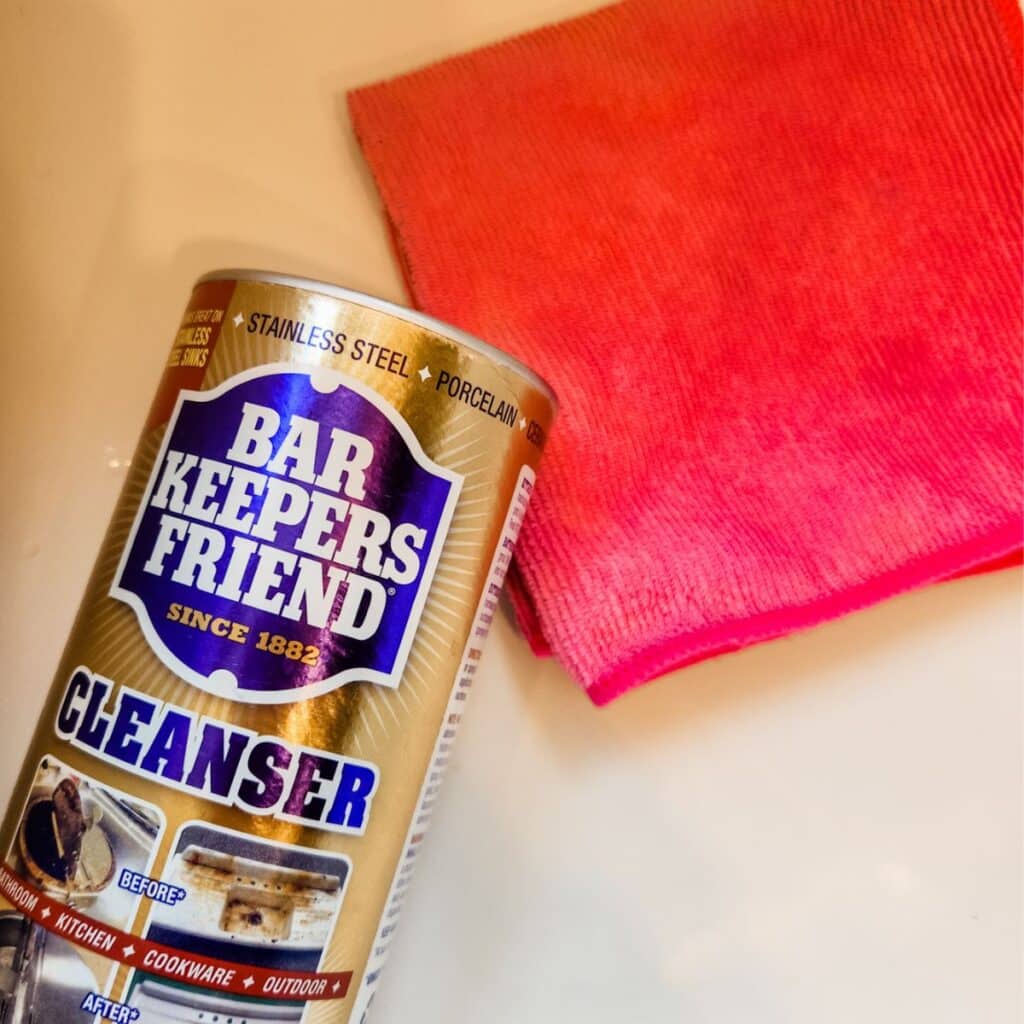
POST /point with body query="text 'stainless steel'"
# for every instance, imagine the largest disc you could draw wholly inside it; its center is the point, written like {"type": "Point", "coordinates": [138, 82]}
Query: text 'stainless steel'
{"type": "Point", "coordinates": [224, 799]}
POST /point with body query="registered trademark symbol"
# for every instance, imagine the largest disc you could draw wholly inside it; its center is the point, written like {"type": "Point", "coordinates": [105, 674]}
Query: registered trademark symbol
{"type": "Point", "coordinates": [391, 591]}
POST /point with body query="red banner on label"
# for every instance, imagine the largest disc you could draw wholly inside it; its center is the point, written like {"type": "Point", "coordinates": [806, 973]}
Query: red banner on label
{"type": "Point", "coordinates": [166, 961]}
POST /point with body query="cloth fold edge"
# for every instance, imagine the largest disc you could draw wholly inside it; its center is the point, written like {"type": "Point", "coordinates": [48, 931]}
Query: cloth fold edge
{"type": "Point", "coordinates": [999, 549]}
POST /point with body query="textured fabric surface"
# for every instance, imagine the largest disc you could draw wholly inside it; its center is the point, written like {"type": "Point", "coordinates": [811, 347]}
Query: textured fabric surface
{"type": "Point", "coordinates": [769, 256]}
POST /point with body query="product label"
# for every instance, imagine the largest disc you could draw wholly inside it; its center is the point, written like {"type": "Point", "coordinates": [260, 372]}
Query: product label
{"type": "Point", "coordinates": [287, 537]}
{"type": "Point", "coordinates": [486, 608]}
{"type": "Point", "coordinates": [228, 788]}
{"type": "Point", "coordinates": [213, 759]}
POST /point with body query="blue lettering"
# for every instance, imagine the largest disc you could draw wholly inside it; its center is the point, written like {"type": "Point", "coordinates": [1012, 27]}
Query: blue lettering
{"type": "Point", "coordinates": [93, 727]}
{"type": "Point", "coordinates": [161, 892]}
{"type": "Point", "coordinates": [355, 788]}
{"type": "Point", "coordinates": [263, 774]}
{"type": "Point", "coordinates": [69, 713]}
{"type": "Point", "coordinates": [311, 772]}
{"type": "Point", "coordinates": [264, 789]}
{"type": "Point", "coordinates": [167, 749]}
{"type": "Point", "coordinates": [215, 767]}
{"type": "Point", "coordinates": [132, 712]}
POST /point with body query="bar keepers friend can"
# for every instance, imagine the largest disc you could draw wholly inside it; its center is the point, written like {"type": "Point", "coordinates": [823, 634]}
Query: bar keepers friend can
{"type": "Point", "coordinates": [225, 797]}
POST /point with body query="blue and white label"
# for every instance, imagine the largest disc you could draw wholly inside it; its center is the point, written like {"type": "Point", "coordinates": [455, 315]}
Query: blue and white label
{"type": "Point", "coordinates": [287, 537]}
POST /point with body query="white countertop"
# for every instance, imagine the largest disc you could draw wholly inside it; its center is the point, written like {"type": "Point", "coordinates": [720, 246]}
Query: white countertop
{"type": "Point", "coordinates": [823, 829]}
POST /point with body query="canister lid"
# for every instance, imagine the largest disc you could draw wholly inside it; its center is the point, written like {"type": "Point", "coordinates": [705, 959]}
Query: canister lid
{"type": "Point", "coordinates": [393, 309]}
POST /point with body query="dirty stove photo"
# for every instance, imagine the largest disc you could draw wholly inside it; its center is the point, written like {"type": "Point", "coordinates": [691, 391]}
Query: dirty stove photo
{"type": "Point", "coordinates": [249, 901]}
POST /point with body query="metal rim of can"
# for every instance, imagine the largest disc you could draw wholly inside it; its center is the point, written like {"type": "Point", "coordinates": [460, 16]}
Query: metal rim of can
{"type": "Point", "coordinates": [412, 316]}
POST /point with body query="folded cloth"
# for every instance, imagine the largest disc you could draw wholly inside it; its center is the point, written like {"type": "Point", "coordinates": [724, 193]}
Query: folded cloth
{"type": "Point", "coordinates": [769, 255]}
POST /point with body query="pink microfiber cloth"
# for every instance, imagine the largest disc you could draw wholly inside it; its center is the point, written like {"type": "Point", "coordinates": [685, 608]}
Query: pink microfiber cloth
{"type": "Point", "coordinates": [769, 256]}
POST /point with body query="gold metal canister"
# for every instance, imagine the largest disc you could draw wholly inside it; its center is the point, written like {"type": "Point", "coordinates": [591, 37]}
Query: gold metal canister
{"type": "Point", "coordinates": [172, 849]}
